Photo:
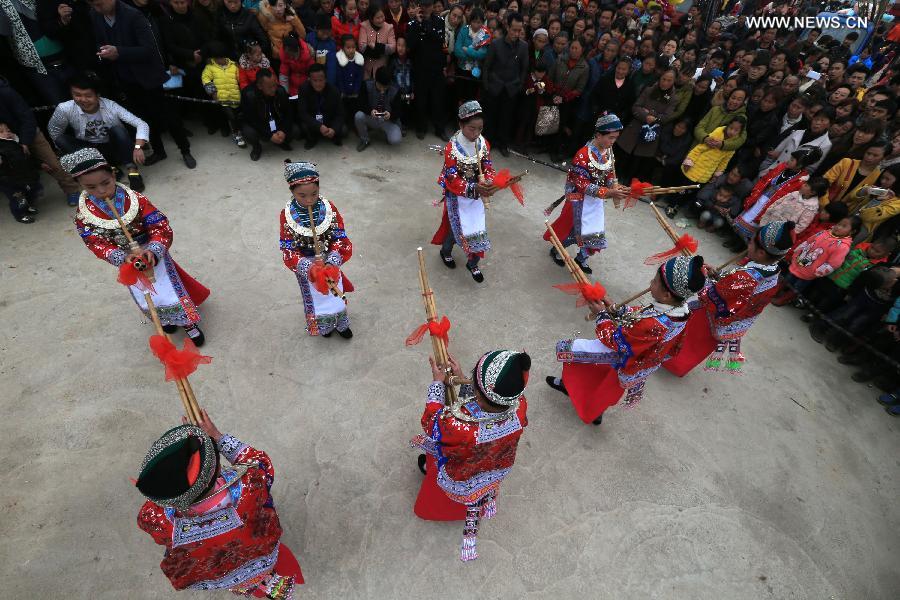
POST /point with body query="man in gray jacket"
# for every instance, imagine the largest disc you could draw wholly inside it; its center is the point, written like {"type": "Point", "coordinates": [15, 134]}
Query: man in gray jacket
{"type": "Point", "coordinates": [505, 69]}
{"type": "Point", "coordinates": [89, 120]}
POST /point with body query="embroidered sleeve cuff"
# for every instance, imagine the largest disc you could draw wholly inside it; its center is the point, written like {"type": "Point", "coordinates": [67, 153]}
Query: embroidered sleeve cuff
{"type": "Point", "coordinates": [116, 257]}
{"type": "Point", "coordinates": [334, 258]}
{"type": "Point", "coordinates": [593, 190]}
{"type": "Point", "coordinates": [303, 265]}
{"type": "Point", "coordinates": [230, 447]}
{"type": "Point", "coordinates": [436, 392]}
{"type": "Point", "coordinates": [157, 249]}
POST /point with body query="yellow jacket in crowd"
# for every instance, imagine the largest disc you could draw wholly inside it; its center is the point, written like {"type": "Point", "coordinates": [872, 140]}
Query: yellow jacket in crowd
{"type": "Point", "coordinates": [223, 79]}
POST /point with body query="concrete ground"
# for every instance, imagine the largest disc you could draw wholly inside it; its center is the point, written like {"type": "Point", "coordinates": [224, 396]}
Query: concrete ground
{"type": "Point", "coordinates": [781, 483]}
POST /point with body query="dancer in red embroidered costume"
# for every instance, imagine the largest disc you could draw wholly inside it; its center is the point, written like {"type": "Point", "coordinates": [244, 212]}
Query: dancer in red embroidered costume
{"type": "Point", "coordinates": [731, 303]}
{"type": "Point", "coordinates": [632, 342]}
{"type": "Point", "coordinates": [315, 253]}
{"type": "Point", "coordinates": [175, 294]}
{"type": "Point", "coordinates": [471, 446]}
{"type": "Point", "coordinates": [590, 182]}
{"type": "Point", "coordinates": [467, 179]}
{"type": "Point", "coordinates": [218, 524]}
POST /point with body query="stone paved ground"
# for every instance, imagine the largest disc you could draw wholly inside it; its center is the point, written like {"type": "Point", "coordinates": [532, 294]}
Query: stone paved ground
{"type": "Point", "coordinates": [778, 484]}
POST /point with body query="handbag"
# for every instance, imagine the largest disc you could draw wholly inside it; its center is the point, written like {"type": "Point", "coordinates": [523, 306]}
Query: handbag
{"type": "Point", "coordinates": [649, 132]}
{"type": "Point", "coordinates": [547, 120]}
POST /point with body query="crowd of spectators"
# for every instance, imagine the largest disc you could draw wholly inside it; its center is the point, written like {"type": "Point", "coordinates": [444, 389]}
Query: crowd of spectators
{"type": "Point", "coordinates": [771, 124]}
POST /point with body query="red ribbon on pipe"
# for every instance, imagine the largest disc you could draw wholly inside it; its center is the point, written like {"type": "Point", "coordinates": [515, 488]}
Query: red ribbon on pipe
{"type": "Point", "coordinates": [129, 275]}
{"type": "Point", "coordinates": [435, 328]}
{"type": "Point", "coordinates": [320, 273]}
{"type": "Point", "coordinates": [685, 242]}
{"type": "Point", "coordinates": [591, 292]}
{"type": "Point", "coordinates": [502, 180]}
{"type": "Point", "coordinates": [179, 363]}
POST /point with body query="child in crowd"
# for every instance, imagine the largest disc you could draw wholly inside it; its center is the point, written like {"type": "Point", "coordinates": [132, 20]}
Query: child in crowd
{"type": "Point", "coordinates": [828, 215]}
{"type": "Point", "coordinates": [704, 162]}
{"type": "Point", "coordinates": [349, 75]}
{"type": "Point", "coordinates": [871, 300]}
{"type": "Point", "coordinates": [19, 176]}
{"type": "Point", "coordinates": [537, 93]}
{"type": "Point", "coordinates": [736, 177]}
{"type": "Point", "coordinates": [800, 206]}
{"type": "Point", "coordinates": [401, 69]}
{"type": "Point", "coordinates": [251, 61]}
{"type": "Point", "coordinates": [828, 293]}
{"type": "Point", "coordinates": [817, 257]}
{"type": "Point", "coordinates": [220, 81]}
{"type": "Point", "coordinates": [675, 141]}
{"type": "Point", "coordinates": [323, 46]}
{"type": "Point", "coordinates": [724, 207]}
{"type": "Point", "coordinates": [296, 59]}
{"type": "Point", "coordinates": [346, 23]}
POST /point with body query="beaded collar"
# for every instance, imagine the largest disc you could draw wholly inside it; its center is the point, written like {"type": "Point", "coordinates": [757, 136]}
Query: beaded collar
{"type": "Point", "coordinates": [462, 154]}
{"type": "Point", "coordinates": [85, 214]}
{"type": "Point", "coordinates": [599, 159]}
{"type": "Point", "coordinates": [476, 415]}
{"type": "Point", "coordinates": [304, 230]}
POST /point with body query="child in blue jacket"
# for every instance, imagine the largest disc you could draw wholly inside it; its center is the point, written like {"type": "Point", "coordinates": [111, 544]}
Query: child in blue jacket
{"type": "Point", "coordinates": [323, 47]}
{"type": "Point", "coordinates": [349, 75]}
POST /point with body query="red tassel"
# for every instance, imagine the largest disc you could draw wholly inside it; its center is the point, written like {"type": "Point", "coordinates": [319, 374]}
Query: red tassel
{"type": "Point", "coordinates": [129, 275]}
{"type": "Point", "coordinates": [685, 242]}
{"type": "Point", "coordinates": [638, 188]}
{"type": "Point", "coordinates": [320, 273]}
{"type": "Point", "coordinates": [179, 363]}
{"type": "Point", "coordinates": [435, 328]}
{"type": "Point", "coordinates": [502, 180]}
{"type": "Point", "coordinates": [593, 292]}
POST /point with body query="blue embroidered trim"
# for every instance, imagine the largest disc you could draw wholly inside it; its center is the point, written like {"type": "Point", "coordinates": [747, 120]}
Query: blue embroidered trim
{"type": "Point", "coordinates": [119, 202]}
{"type": "Point", "coordinates": [436, 436]}
{"type": "Point", "coordinates": [253, 568]}
{"type": "Point", "coordinates": [190, 530]}
{"type": "Point", "coordinates": [623, 347]}
{"type": "Point", "coordinates": [230, 447]}
{"type": "Point", "coordinates": [154, 218]}
{"type": "Point", "coordinates": [301, 214]}
{"type": "Point", "coordinates": [722, 309]}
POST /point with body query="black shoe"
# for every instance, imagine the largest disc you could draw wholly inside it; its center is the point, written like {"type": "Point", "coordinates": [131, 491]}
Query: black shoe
{"type": "Point", "coordinates": [832, 343]}
{"type": "Point", "coordinates": [286, 146]}
{"type": "Point", "coordinates": [135, 181]}
{"type": "Point", "coordinates": [504, 151]}
{"type": "Point", "coordinates": [442, 135]}
{"type": "Point", "coordinates": [189, 161]}
{"type": "Point", "coordinates": [584, 266]}
{"type": "Point", "coordinates": [420, 134]}
{"type": "Point", "coordinates": [598, 420]}
{"type": "Point", "coordinates": [327, 335]}
{"type": "Point", "coordinates": [27, 219]}
{"type": "Point", "coordinates": [551, 381]}
{"type": "Point", "coordinates": [476, 273]}
{"type": "Point", "coordinates": [155, 158]}
{"type": "Point", "coordinates": [31, 210]}
{"type": "Point", "coordinates": [346, 334]}
{"type": "Point", "coordinates": [808, 318]}
{"type": "Point", "coordinates": [851, 359]}
{"type": "Point", "coordinates": [310, 143]}
{"type": "Point", "coordinates": [421, 460]}
{"type": "Point", "coordinates": [362, 145]}
{"type": "Point", "coordinates": [817, 331]}
{"type": "Point", "coordinates": [448, 260]}
{"type": "Point", "coordinates": [170, 328]}
{"type": "Point", "coordinates": [862, 376]}
{"type": "Point", "coordinates": [196, 335]}
{"type": "Point", "coordinates": [556, 258]}
{"type": "Point", "coordinates": [255, 153]}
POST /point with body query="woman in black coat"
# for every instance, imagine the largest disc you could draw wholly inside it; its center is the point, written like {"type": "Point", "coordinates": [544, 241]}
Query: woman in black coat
{"type": "Point", "coordinates": [240, 25]}
{"type": "Point", "coordinates": [614, 92]}
{"type": "Point", "coordinates": [698, 105]}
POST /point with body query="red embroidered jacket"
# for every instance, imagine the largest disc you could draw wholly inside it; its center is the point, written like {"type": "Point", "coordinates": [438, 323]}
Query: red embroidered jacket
{"type": "Point", "coordinates": [643, 346]}
{"type": "Point", "coordinates": [461, 180]}
{"type": "Point", "coordinates": [793, 184]}
{"type": "Point", "coordinates": [100, 231]}
{"type": "Point", "coordinates": [734, 301]}
{"type": "Point", "coordinates": [584, 178]}
{"type": "Point", "coordinates": [226, 546]}
{"type": "Point", "coordinates": [294, 246]}
{"type": "Point", "coordinates": [470, 449]}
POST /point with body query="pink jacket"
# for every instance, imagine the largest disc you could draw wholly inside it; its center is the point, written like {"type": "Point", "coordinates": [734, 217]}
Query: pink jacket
{"type": "Point", "coordinates": [819, 255]}
{"type": "Point", "coordinates": [376, 46]}
{"type": "Point", "coordinates": [792, 207]}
